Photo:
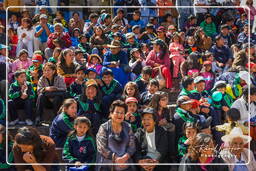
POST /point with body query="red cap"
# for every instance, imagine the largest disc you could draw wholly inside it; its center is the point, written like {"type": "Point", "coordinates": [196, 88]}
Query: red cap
{"type": "Point", "coordinates": [195, 103]}
{"type": "Point", "coordinates": [161, 29]}
{"type": "Point", "coordinates": [131, 99]}
{"type": "Point", "coordinates": [37, 58]}
{"type": "Point", "coordinates": [207, 62]}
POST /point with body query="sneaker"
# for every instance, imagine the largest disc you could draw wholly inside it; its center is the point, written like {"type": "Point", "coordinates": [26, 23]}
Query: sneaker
{"type": "Point", "coordinates": [12, 123]}
{"type": "Point", "coordinates": [29, 122]}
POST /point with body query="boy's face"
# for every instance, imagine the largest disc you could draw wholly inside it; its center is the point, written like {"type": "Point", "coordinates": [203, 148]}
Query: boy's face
{"type": "Point", "coordinates": [136, 17]}
{"type": "Point", "coordinates": [131, 40]}
{"type": "Point", "coordinates": [208, 20]}
{"type": "Point", "coordinates": [80, 75]}
{"type": "Point", "coordinates": [253, 98]}
{"type": "Point", "coordinates": [190, 132]}
{"type": "Point", "coordinates": [132, 107]}
{"type": "Point", "coordinates": [83, 40]}
{"type": "Point", "coordinates": [152, 89]}
{"type": "Point", "coordinates": [222, 90]}
{"type": "Point", "coordinates": [191, 86]}
{"type": "Point", "coordinates": [79, 56]}
{"type": "Point", "coordinates": [186, 107]}
{"type": "Point", "coordinates": [107, 79]}
{"type": "Point", "coordinates": [92, 75]}
{"type": "Point", "coordinates": [36, 64]}
{"type": "Point", "coordinates": [136, 31]}
{"type": "Point", "coordinates": [200, 86]}
{"type": "Point", "coordinates": [21, 78]}
{"type": "Point", "coordinates": [146, 77]}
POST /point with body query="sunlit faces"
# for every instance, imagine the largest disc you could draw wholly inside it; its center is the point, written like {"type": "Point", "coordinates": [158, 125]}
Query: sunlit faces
{"type": "Point", "coordinates": [69, 56]}
{"type": "Point", "coordinates": [132, 107]}
{"type": "Point", "coordinates": [71, 110]}
{"type": "Point", "coordinates": [79, 57]}
{"type": "Point", "coordinates": [190, 132]}
{"type": "Point", "coordinates": [236, 145]}
{"type": "Point", "coordinates": [130, 90]}
{"type": "Point", "coordinates": [118, 115]}
{"type": "Point", "coordinates": [26, 148]}
{"type": "Point", "coordinates": [21, 78]}
{"type": "Point", "coordinates": [81, 129]}
{"type": "Point", "coordinates": [163, 102]}
{"type": "Point", "coordinates": [146, 77]}
{"type": "Point", "coordinates": [23, 57]}
{"type": "Point", "coordinates": [48, 72]}
{"type": "Point", "coordinates": [80, 75]}
{"type": "Point", "coordinates": [107, 79]}
{"type": "Point", "coordinates": [98, 31]}
{"type": "Point", "coordinates": [91, 75]}
{"type": "Point", "coordinates": [200, 86]}
{"type": "Point", "coordinates": [114, 51]}
{"type": "Point", "coordinates": [152, 88]}
{"type": "Point", "coordinates": [58, 29]}
{"type": "Point", "coordinates": [148, 122]}
{"type": "Point", "coordinates": [91, 92]}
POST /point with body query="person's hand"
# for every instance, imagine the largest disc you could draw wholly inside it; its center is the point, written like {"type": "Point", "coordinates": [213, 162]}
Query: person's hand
{"type": "Point", "coordinates": [205, 110]}
{"type": "Point", "coordinates": [23, 96]}
{"type": "Point", "coordinates": [121, 161]}
{"type": "Point", "coordinates": [53, 88]}
{"type": "Point", "coordinates": [162, 122]}
{"type": "Point", "coordinates": [127, 116]}
{"type": "Point", "coordinates": [225, 108]}
{"type": "Point", "coordinates": [142, 164]}
{"type": "Point", "coordinates": [29, 157]}
{"type": "Point", "coordinates": [132, 118]}
{"type": "Point", "coordinates": [78, 164]}
{"type": "Point", "coordinates": [23, 35]}
{"type": "Point", "coordinates": [50, 88]}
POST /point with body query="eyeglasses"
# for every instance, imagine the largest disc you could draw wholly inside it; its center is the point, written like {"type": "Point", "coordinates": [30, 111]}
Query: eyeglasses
{"type": "Point", "coordinates": [118, 113]}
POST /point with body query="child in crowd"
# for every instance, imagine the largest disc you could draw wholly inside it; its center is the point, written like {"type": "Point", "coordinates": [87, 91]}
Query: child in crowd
{"type": "Point", "coordinates": [187, 86]}
{"type": "Point", "coordinates": [146, 97]}
{"type": "Point", "coordinates": [132, 116]}
{"type": "Point", "coordinates": [63, 122]}
{"type": "Point", "coordinates": [111, 89]}
{"type": "Point", "coordinates": [89, 104]}
{"type": "Point", "coordinates": [21, 96]}
{"type": "Point", "coordinates": [75, 37]}
{"type": "Point", "coordinates": [95, 61]}
{"type": "Point", "coordinates": [233, 116]}
{"type": "Point", "coordinates": [13, 39]}
{"type": "Point", "coordinates": [3, 165]}
{"type": "Point", "coordinates": [143, 80]}
{"type": "Point", "coordinates": [130, 90]}
{"type": "Point", "coordinates": [77, 86]}
{"type": "Point", "coordinates": [80, 146]}
{"type": "Point", "coordinates": [84, 44]}
{"type": "Point", "coordinates": [35, 71]}
{"type": "Point", "coordinates": [137, 62]}
{"type": "Point", "coordinates": [209, 26]}
{"type": "Point", "coordinates": [208, 75]}
{"type": "Point", "coordinates": [55, 57]}
{"type": "Point", "coordinates": [190, 130]}
{"type": "Point", "coordinates": [79, 57]}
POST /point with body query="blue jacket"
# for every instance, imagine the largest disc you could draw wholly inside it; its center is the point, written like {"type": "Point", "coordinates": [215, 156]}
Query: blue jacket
{"type": "Point", "coordinates": [221, 54]}
{"type": "Point", "coordinates": [109, 57]}
{"type": "Point", "coordinates": [84, 151]}
{"type": "Point", "coordinates": [61, 126]}
{"type": "Point", "coordinates": [113, 91]}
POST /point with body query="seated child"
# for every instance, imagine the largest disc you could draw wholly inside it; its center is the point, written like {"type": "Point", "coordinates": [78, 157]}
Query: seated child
{"type": "Point", "coordinates": [80, 146]}
{"type": "Point", "coordinates": [146, 97]}
{"type": "Point", "coordinates": [84, 44]}
{"type": "Point", "coordinates": [130, 90]}
{"type": "Point", "coordinates": [79, 57]}
{"type": "Point", "coordinates": [95, 62]}
{"type": "Point", "coordinates": [190, 130]}
{"type": "Point", "coordinates": [143, 80]}
{"type": "Point", "coordinates": [55, 57]}
{"type": "Point", "coordinates": [111, 89]}
{"type": "Point", "coordinates": [21, 96]}
{"type": "Point", "coordinates": [137, 62]}
{"type": "Point", "coordinates": [76, 87]}
{"type": "Point", "coordinates": [187, 86]}
{"type": "Point", "coordinates": [132, 116]}
{"type": "Point", "coordinates": [233, 116]}
{"type": "Point", "coordinates": [35, 71]}
{"type": "Point", "coordinates": [208, 75]}
{"type": "Point", "coordinates": [63, 122]}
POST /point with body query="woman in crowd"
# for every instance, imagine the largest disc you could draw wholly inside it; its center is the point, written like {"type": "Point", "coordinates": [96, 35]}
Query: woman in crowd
{"type": "Point", "coordinates": [115, 140]}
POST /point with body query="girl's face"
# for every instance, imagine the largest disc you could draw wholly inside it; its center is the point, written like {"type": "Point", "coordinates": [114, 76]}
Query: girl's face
{"type": "Point", "coordinates": [69, 56]}
{"type": "Point", "coordinates": [208, 68]}
{"type": "Point", "coordinates": [25, 24]}
{"type": "Point", "coordinates": [146, 77]}
{"type": "Point", "coordinates": [81, 129]}
{"type": "Point", "coordinates": [163, 102]}
{"type": "Point", "coordinates": [95, 60]}
{"type": "Point", "coordinates": [176, 39]}
{"type": "Point", "coordinates": [132, 107]}
{"type": "Point", "coordinates": [21, 78]}
{"type": "Point", "coordinates": [14, 18]}
{"type": "Point", "coordinates": [169, 19]}
{"type": "Point", "coordinates": [56, 54]}
{"type": "Point", "coordinates": [26, 148]}
{"type": "Point", "coordinates": [152, 89]}
{"type": "Point", "coordinates": [191, 41]}
{"type": "Point", "coordinates": [80, 75]}
{"type": "Point", "coordinates": [92, 75]}
{"type": "Point", "coordinates": [156, 48]}
{"type": "Point", "coordinates": [118, 115]}
{"type": "Point", "coordinates": [71, 110]}
{"type": "Point", "coordinates": [136, 54]}
{"type": "Point", "coordinates": [91, 92]}
{"type": "Point", "coordinates": [190, 132]}
{"type": "Point", "coordinates": [107, 79]}
{"type": "Point", "coordinates": [98, 31]}
{"type": "Point", "coordinates": [23, 57]}
{"type": "Point", "coordinates": [148, 122]}
{"type": "Point", "coordinates": [83, 40]}
{"type": "Point", "coordinates": [130, 91]}
{"type": "Point", "coordinates": [58, 15]}
{"type": "Point", "coordinates": [76, 34]}
{"type": "Point", "coordinates": [79, 57]}
{"type": "Point", "coordinates": [161, 34]}
{"type": "Point", "coordinates": [48, 72]}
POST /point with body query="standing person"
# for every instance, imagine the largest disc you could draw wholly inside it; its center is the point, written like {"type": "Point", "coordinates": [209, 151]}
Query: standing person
{"type": "Point", "coordinates": [26, 36]}
{"type": "Point", "coordinates": [42, 31]}
{"type": "Point", "coordinates": [115, 140]}
{"type": "Point", "coordinates": [200, 152]}
{"type": "Point", "coordinates": [251, 12]}
{"type": "Point", "coordinates": [30, 148]}
{"type": "Point", "coordinates": [158, 59]}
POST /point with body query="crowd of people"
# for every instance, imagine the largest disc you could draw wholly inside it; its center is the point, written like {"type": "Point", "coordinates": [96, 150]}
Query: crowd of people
{"type": "Point", "coordinates": [155, 86]}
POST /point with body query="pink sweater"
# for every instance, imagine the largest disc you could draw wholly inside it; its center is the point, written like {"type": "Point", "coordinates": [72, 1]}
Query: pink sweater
{"type": "Point", "coordinates": [153, 58]}
{"type": "Point", "coordinates": [173, 48]}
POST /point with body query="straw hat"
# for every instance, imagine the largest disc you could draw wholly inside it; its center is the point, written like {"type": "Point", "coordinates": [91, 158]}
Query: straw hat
{"type": "Point", "coordinates": [236, 132]}
{"type": "Point", "coordinates": [115, 44]}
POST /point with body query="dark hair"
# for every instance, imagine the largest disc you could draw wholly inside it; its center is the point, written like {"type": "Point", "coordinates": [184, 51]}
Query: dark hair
{"type": "Point", "coordinates": [154, 116]}
{"type": "Point", "coordinates": [75, 13]}
{"type": "Point", "coordinates": [218, 37]}
{"type": "Point", "coordinates": [234, 115]}
{"type": "Point", "coordinates": [28, 20]}
{"type": "Point", "coordinates": [3, 132]}
{"type": "Point", "coordinates": [186, 81]}
{"type": "Point", "coordinates": [107, 72]}
{"type": "Point", "coordinates": [154, 103]}
{"type": "Point", "coordinates": [193, 125]}
{"type": "Point", "coordinates": [134, 85]}
{"type": "Point", "coordinates": [163, 49]}
{"type": "Point", "coordinates": [80, 68]}
{"type": "Point", "coordinates": [166, 16]}
{"type": "Point", "coordinates": [30, 136]}
{"type": "Point", "coordinates": [154, 82]}
{"type": "Point", "coordinates": [222, 85]}
{"type": "Point", "coordinates": [22, 52]}
{"type": "Point", "coordinates": [207, 16]}
{"type": "Point", "coordinates": [93, 15]}
{"type": "Point", "coordinates": [147, 70]}
{"type": "Point", "coordinates": [201, 140]}
{"type": "Point", "coordinates": [52, 66]}
{"type": "Point", "coordinates": [19, 72]}
{"type": "Point", "coordinates": [66, 104]}
{"type": "Point", "coordinates": [77, 51]}
{"type": "Point", "coordinates": [246, 91]}
{"type": "Point", "coordinates": [137, 12]}
{"type": "Point", "coordinates": [117, 103]}
{"type": "Point", "coordinates": [79, 120]}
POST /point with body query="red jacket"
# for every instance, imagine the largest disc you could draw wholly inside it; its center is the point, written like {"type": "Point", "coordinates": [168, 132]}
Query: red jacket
{"type": "Point", "coordinates": [65, 38]}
